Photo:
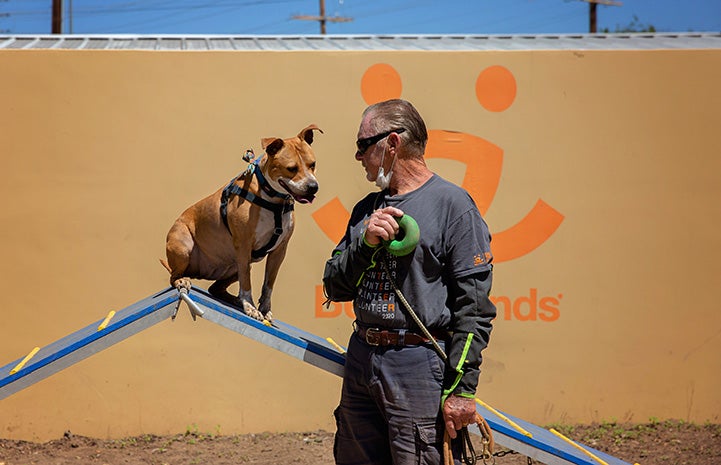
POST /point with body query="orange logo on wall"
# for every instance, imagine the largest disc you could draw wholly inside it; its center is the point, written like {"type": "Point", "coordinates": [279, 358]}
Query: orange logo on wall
{"type": "Point", "coordinates": [496, 92]}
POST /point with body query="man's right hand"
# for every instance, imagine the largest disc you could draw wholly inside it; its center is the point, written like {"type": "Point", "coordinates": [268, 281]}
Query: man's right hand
{"type": "Point", "coordinates": [458, 412]}
{"type": "Point", "coordinates": [382, 226]}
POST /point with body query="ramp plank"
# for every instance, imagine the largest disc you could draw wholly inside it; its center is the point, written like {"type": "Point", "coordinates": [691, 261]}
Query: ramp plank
{"type": "Point", "coordinates": [542, 445]}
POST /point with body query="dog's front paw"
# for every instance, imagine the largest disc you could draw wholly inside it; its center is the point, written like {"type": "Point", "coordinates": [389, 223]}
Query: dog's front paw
{"type": "Point", "coordinates": [250, 310]}
{"type": "Point", "coordinates": [264, 308]}
{"type": "Point", "coordinates": [264, 303]}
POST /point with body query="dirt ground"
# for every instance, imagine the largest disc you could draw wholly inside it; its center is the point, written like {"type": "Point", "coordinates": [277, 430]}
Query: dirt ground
{"type": "Point", "coordinates": [656, 443]}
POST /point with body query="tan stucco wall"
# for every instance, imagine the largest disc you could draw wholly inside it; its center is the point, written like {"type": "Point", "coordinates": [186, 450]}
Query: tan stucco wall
{"type": "Point", "coordinates": [616, 311]}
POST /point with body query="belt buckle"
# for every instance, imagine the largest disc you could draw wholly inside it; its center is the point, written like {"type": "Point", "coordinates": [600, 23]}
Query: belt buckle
{"type": "Point", "coordinates": [373, 336]}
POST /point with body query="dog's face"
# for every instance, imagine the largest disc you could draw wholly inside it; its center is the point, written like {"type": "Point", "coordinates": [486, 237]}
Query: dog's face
{"type": "Point", "coordinates": [290, 166]}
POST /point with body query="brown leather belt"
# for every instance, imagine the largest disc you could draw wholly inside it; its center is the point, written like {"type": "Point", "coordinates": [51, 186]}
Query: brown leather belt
{"type": "Point", "coordinates": [391, 337]}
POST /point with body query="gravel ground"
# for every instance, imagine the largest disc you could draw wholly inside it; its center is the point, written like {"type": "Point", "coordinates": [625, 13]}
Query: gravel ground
{"type": "Point", "coordinates": [657, 443]}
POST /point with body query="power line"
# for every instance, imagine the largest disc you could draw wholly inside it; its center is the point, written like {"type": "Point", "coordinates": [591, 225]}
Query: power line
{"type": "Point", "coordinates": [210, 9]}
{"type": "Point", "coordinates": [173, 6]}
{"type": "Point", "coordinates": [162, 21]}
{"type": "Point", "coordinates": [479, 23]}
{"type": "Point", "coordinates": [155, 12]}
{"type": "Point", "coordinates": [4, 15]}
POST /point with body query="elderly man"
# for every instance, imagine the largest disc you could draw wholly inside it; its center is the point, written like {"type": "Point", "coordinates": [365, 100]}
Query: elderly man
{"type": "Point", "coordinates": [398, 393]}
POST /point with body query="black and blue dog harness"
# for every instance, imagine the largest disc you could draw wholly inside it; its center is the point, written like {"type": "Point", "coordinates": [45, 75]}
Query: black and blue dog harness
{"type": "Point", "coordinates": [278, 209]}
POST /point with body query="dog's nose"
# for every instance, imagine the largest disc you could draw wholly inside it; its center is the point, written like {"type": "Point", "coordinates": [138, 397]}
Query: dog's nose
{"type": "Point", "coordinates": [311, 188]}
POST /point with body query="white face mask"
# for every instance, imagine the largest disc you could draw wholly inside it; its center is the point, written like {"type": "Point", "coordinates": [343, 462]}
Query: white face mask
{"type": "Point", "coordinates": [383, 180]}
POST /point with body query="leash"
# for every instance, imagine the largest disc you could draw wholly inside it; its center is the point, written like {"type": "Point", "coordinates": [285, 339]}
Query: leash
{"type": "Point", "coordinates": [468, 453]}
{"type": "Point", "coordinates": [411, 312]}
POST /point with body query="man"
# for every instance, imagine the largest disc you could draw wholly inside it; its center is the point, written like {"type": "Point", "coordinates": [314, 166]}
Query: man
{"type": "Point", "coordinates": [398, 394]}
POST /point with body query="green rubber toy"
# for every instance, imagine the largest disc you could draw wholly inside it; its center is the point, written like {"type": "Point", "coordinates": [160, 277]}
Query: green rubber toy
{"type": "Point", "coordinates": [407, 238]}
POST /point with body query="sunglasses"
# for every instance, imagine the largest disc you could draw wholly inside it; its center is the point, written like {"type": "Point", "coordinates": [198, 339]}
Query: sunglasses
{"type": "Point", "coordinates": [365, 143]}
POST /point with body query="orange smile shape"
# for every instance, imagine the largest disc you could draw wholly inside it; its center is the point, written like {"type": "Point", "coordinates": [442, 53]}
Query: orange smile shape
{"type": "Point", "coordinates": [495, 91]}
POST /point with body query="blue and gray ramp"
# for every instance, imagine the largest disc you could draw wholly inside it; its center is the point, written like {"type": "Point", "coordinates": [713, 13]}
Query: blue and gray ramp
{"type": "Point", "coordinates": [545, 446]}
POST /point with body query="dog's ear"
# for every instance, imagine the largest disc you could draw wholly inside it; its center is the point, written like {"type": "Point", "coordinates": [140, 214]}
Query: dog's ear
{"type": "Point", "coordinates": [272, 145]}
{"type": "Point", "coordinates": [307, 133]}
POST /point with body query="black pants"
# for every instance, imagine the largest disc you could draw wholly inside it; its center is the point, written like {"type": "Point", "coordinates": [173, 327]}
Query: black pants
{"type": "Point", "coordinates": [389, 411]}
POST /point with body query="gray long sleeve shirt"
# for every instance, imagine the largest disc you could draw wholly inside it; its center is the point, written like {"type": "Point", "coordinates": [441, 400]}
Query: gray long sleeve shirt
{"type": "Point", "coordinates": [446, 279]}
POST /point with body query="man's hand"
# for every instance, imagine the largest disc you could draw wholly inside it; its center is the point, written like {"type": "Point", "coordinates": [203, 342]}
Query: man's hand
{"type": "Point", "coordinates": [457, 413]}
{"type": "Point", "coordinates": [382, 226]}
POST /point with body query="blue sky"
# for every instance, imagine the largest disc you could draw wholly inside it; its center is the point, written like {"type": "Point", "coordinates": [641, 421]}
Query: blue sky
{"type": "Point", "coordinates": [368, 16]}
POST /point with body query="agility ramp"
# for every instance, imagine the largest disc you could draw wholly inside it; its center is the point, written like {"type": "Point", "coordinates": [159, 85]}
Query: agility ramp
{"type": "Point", "coordinates": [545, 446]}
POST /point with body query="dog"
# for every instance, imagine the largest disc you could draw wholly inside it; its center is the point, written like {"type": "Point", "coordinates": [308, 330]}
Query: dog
{"type": "Point", "coordinates": [219, 237]}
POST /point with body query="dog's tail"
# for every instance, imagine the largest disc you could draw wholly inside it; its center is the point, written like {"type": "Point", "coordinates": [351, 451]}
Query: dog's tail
{"type": "Point", "coordinates": [165, 265]}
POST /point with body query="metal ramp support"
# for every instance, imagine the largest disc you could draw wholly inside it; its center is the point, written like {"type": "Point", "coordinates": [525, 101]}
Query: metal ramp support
{"type": "Point", "coordinates": [545, 446]}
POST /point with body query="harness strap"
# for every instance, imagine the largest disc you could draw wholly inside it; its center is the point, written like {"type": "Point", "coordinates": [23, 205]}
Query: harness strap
{"type": "Point", "coordinates": [266, 186]}
{"type": "Point", "coordinates": [278, 209]}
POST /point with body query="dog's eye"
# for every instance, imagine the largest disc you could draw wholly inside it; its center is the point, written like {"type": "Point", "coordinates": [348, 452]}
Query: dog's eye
{"type": "Point", "coordinates": [293, 169]}
{"type": "Point", "coordinates": [312, 166]}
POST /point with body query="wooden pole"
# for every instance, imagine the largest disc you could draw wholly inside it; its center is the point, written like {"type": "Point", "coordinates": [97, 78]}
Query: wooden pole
{"type": "Point", "coordinates": [323, 19]}
{"type": "Point", "coordinates": [57, 17]}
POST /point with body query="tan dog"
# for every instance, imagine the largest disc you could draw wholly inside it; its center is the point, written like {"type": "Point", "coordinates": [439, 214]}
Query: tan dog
{"type": "Point", "coordinates": [220, 236]}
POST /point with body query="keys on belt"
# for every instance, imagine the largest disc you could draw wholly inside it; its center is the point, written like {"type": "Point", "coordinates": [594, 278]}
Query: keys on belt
{"type": "Point", "coordinates": [390, 337]}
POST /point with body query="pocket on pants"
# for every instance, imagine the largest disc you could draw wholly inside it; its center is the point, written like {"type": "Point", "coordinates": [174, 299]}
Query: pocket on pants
{"type": "Point", "coordinates": [437, 366]}
{"type": "Point", "coordinates": [428, 441]}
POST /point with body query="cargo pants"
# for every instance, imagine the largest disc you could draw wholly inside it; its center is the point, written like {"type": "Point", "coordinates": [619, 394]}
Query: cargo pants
{"type": "Point", "coordinates": [389, 412]}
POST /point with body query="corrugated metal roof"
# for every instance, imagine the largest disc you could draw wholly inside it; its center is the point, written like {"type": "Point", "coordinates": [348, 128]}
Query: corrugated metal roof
{"type": "Point", "coordinates": [638, 41]}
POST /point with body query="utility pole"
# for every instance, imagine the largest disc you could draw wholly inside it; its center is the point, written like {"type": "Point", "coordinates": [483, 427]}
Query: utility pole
{"type": "Point", "coordinates": [322, 18]}
{"type": "Point", "coordinates": [57, 20]}
{"type": "Point", "coordinates": [592, 11]}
